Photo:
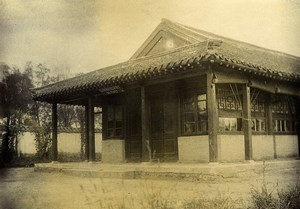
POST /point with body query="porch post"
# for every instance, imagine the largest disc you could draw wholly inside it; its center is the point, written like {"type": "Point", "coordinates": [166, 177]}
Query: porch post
{"type": "Point", "coordinates": [86, 133]}
{"type": "Point", "coordinates": [145, 134]}
{"type": "Point", "coordinates": [91, 130]}
{"type": "Point", "coordinates": [54, 132]}
{"type": "Point", "coordinates": [212, 115]}
{"type": "Point", "coordinates": [298, 123]}
{"type": "Point", "coordinates": [270, 122]}
{"type": "Point", "coordinates": [247, 122]}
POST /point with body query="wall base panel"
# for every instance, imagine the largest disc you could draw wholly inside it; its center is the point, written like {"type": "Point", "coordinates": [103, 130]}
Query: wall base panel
{"type": "Point", "coordinates": [231, 148]}
{"type": "Point", "coordinates": [193, 149]}
{"type": "Point", "coordinates": [263, 147]}
{"type": "Point", "coordinates": [286, 146]}
{"type": "Point", "coordinates": [113, 151]}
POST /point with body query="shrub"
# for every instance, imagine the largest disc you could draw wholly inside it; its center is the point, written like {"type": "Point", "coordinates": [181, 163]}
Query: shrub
{"type": "Point", "coordinates": [263, 199]}
{"type": "Point", "coordinates": [219, 202]}
{"type": "Point", "coordinates": [290, 199]}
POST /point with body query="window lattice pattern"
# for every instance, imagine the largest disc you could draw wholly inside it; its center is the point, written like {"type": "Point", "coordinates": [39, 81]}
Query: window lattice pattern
{"type": "Point", "coordinates": [258, 105]}
{"type": "Point", "coordinates": [284, 114]}
{"type": "Point", "coordinates": [258, 111]}
{"type": "Point", "coordinates": [230, 107]}
{"type": "Point", "coordinates": [228, 100]}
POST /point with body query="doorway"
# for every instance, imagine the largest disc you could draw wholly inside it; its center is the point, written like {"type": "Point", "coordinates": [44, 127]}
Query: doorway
{"type": "Point", "coordinates": [164, 127]}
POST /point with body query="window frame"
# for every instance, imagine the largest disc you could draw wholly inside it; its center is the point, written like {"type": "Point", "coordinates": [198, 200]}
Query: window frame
{"type": "Point", "coordinates": [114, 127]}
{"type": "Point", "coordinates": [225, 114]}
{"type": "Point", "coordinates": [198, 115]}
{"type": "Point", "coordinates": [288, 114]}
{"type": "Point", "coordinates": [259, 98]}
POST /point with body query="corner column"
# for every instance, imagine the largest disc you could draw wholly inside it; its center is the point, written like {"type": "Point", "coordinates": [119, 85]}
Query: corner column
{"type": "Point", "coordinates": [91, 130]}
{"type": "Point", "coordinates": [86, 133]}
{"type": "Point", "coordinates": [145, 132]}
{"type": "Point", "coordinates": [298, 123]}
{"type": "Point", "coordinates": [247, 123]}
{"type": "Point", "coordinates": [54, 132]}
{"type": "Point", "coordinates": [212, 115]}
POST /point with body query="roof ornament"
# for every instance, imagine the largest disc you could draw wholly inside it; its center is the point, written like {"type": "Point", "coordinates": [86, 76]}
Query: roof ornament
{"type": "Point", "coordinates": [213, 43]}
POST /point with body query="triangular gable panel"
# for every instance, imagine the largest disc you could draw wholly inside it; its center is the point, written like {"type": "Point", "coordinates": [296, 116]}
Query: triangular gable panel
{"type": "Point", "coordinates": [163, 41]}
{"type": "Point", "coordinates": [165, 37]}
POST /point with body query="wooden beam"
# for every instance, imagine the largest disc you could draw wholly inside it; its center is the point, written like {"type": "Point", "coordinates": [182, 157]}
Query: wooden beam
{"type": "Point", "coordinates": [54, 132]}
{"type": "Point", "coordinates": [196, 71]}
{"type": "Point", "coordinates": [212, 117]}
{"type": "Point", "coordinates": [91, 126]}
{"type": "Point", "coordinates": [247, 123]}
{"type": "Point", "coordinates": [145, 127]}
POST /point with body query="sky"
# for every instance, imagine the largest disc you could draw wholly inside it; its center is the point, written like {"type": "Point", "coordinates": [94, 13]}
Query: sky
{"type": "Point", "coordinates": [86, 35]}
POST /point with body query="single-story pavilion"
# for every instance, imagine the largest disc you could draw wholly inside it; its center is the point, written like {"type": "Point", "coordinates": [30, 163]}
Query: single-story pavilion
{"type": "Point", "coordinates": [190, 96]}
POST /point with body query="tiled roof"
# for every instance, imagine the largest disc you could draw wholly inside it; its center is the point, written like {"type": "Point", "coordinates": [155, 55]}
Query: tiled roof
{"type": "Point", "coordinates": [258, 60]}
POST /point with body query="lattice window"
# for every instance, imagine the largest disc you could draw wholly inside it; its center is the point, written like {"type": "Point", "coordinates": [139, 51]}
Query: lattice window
{"type": "Point", "coordinates": [114, 121]}
{"type": "Point", "coordinates": [284, 114]}
{"type": "Point", "coordinates": [194, 114]}
{"type": "Point", "coordinates": [258, 110]}
{"type": "Point", "coordinates": [229, 98]}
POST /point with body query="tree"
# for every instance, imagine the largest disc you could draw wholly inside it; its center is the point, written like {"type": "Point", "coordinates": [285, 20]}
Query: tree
{"type": "Point", "coordinates": [68, 115]}
{"type": "Point", "coordinates": [15, 100]}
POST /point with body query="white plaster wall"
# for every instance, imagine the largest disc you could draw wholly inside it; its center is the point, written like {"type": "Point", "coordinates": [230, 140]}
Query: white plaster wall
{"type": "Point", "coordinates": [68, 142]}
{"type": "Point", "coordinates": [113, 151]}
{"type": "Point", "coordinates": [231, 148]}
{"type": "Point", "coordinates": [193, 149]}
{"type": "Point", "coordinates": [26, 144]}
{"type": "Point", "coordinates": [286, 146]}
{"type": "Point", "coordinates": [262, 147]}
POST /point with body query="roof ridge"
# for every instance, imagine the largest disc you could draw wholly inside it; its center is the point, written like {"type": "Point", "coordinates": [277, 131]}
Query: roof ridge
{"type": "Point", "coordinates": [199, 31]}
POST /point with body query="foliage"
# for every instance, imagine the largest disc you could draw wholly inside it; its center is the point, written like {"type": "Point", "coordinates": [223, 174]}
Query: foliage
{"type": "Point", "coordinates": [155, 201]}
{"type": "Point", "coordinates": [266, 198]}
{"type": "Point", "coordinates": [43, 142]}
{"type": "Point", "coordinates": [18, 108]}
{"type": "Point", "coordinates": [41, 75]}
{"type": "Point", "coordinates": [15, 96]}
{"type": "Point", "coordinates": [290, 198]}
{"type": "Point", "coordinates": [219, 202]}
{"type": "Point", "coordinates": [274, 199]}
{"type": "Point", "coordinates": [15, 101]}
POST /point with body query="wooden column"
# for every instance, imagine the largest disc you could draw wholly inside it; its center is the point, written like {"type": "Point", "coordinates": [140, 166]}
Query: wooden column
{"type": "Point", "coordinates": [54, 132]}
{"type": "Point", "coordinates": [212, 114]}
{"type": "Point", "coordinates": [247, 123]}
{"type": "Point", "coordinates": [298, 123]}
{"type": "Point", "coordinates": [269, 114]}
{"type": "Point", "coordinates": [86, 132]}
{"type": "Point", "coordinates": [269, 122]}
{"type": "Point", "coordinates": [145, 127]}
{"type": "Point", "coordinates": [91, 129]}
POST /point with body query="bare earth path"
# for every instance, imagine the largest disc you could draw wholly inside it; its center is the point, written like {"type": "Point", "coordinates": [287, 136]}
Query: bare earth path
{"type": "Point", "coordinates": [24, 188]}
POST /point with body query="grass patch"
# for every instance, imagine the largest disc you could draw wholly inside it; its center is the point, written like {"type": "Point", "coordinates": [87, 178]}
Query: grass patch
{"type": "Point", "coordinates": [220, 202]}
{"type": "Point", "coordinates": [265, 198]}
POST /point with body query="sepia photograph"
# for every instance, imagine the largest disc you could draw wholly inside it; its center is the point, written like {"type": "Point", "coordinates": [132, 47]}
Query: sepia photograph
{"type": "Point", "coordinates": [147, 104]}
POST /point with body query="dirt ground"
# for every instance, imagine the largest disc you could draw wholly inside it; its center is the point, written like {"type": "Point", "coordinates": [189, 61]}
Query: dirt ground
{"type": "Point", "coordinates": [24, 188]}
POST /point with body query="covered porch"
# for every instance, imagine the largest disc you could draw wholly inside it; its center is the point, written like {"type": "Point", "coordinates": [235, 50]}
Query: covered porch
{"type": "Point", "coordinates": [195, 114]}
